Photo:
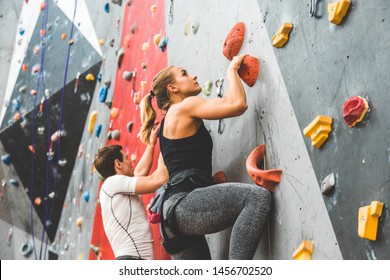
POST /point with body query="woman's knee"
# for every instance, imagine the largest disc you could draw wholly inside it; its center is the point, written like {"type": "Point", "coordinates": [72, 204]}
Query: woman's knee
{"type": "Point", "coordinates": [260, 198]}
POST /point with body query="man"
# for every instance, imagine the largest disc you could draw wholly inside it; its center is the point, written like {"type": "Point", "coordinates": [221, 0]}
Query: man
{"type": "Point", "coordinates": [124, 217]}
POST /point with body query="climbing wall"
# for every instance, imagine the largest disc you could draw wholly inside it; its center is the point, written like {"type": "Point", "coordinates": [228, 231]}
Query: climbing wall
{"type": "Point", "coordinates": [139, 58]}
{"type": "Point", "coordinates": [49, 89]}
{"type": "Point", "coordinates": [324, 64]}
{"type": "Point", "coordinates": [318, 69]}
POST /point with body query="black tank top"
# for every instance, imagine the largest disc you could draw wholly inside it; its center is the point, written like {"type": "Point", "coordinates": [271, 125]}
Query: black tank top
{"type": "Point", "coordinates": [187, 153]}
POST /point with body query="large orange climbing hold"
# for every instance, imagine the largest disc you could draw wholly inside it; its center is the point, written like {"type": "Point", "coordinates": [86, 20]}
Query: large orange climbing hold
{"type": "Point", "coordinates": [354, 110]}
{"type": "Point", "coordinates": [255, 168]}
{"type": "Point", "coordinates": [234, 41]}
{"type": "Point", "coordinates": [249, 70]}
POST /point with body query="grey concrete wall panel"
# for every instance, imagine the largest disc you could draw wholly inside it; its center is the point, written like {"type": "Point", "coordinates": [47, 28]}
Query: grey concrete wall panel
{"type": "Point", "coordinates": [299, 211]}
{"type": "Point", "coordinates": [84, 58]}
{"type": "Point", "coordinates": [47, 175]}
{"type": "Point", "coordinates": [322, 66]}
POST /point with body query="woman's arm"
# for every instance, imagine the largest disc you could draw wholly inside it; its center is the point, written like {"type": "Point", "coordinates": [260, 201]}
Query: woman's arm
{"type": "Point", "coordinates": [232, 104]}
{"type": "Point", "coordinates": [151, 183]}
{"type": "Point", "coordinates": [145, 163]}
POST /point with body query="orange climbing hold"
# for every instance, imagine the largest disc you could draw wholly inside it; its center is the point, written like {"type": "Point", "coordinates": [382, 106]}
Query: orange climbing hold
{"type": "Point", "coordinates": [63, 36]}
{"type": "Point", "coordinates": [234, 41]}
{"type": "Point", "coordinates": [24, 67]}
{"type": "Point", "coordinates": [220, 177]}
{"type": "Point", "coordinates": [43, 5]}
{"type": "Point", "coordinates": [32, 148]}
{"type": "Point", "coordinates": [255, 168]}
{"type": "Point", "coordinates": [249, 70]}
{"type": "Point", "coordinates": [354, 110]}
{"type": "Point", "coordinates": [38, 201]}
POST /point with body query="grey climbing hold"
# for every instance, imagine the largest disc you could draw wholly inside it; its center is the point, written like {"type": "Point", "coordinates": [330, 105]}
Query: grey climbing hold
{"type": "Point", "coordinates": [6, 159]}
{"type": "Point", "coordinates": [128, 75]}
{"type": "Point", "coordinates": [195, 27]}
{"type": "Point", "coordinates": [14, 182]}
{"type": "Point", "coordinates": [130, 126]}
{"type": "Point", "coordinates": [328, 184]}
{"type": "Point", "coordinates": [22, 89]}
{"type": "Point", "coordinates": [116, 134]}
{"type": "Point", "coordinates": [132, 29]}
{"type": "Point", "coordinates": [119, 56]}
{"type": "Point", "coordinates": [26, 248]}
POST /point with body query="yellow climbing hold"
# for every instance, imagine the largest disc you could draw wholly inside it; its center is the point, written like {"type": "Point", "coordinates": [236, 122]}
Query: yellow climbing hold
{"type": "Point", "coordinates": [90, 77]}
{"type": "Point", "coordinates": [368, 220]}
{"type": "Point", "coordinates": [281, 36]}
{"type": "Point", "coordinates": [156, 39]}
{"type": "Point", "coordinates": [92, 120]}
{"type": "Point", "coordinates": [337, 11]}
{"type": "Point", "coordinates": [145, 46]}
{"type": "Point", "coordinates": [153, 9]}
{"type": "Point", "coordinates": [318, 130]}
{"type": "Point", "coordinates": [101, 42]}
{"type": "Point", "coordinates": [79, 222]}
{"type": "Point", "coordinates": [304, 251]}
{"type": "Point", "coordinates": [187, 26]}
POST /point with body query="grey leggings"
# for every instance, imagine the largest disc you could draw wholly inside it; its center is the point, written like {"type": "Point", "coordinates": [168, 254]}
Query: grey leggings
{"type": "Point", "coordinates": [211, 209]}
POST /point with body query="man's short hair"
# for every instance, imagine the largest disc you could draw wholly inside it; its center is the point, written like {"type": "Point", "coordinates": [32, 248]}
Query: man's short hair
{"type": "Point", "coordinates": [105, 158]}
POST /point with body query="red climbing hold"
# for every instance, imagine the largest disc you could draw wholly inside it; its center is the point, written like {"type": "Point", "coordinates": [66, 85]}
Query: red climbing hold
{"type": "Point", "coordinates": [354, 110]}
{"type": "Point", "coordinates": [249, 70]}
{"type": "Point", "coordinates": [254, 166]}
{"type": "Point", "coordinates": [234, 41]}
{"type": "Point", "coordinates": [220, 177]}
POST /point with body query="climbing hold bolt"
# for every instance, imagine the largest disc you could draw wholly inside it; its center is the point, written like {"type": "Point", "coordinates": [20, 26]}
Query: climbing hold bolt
{"type": "Point", "coordinates": [318, 130]}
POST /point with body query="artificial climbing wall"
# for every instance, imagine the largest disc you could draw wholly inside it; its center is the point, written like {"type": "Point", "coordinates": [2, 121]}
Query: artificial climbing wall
{"type": "Point", "coordinates": [323, 65]}
{"type": "Point", "coordinates": [320, 67]}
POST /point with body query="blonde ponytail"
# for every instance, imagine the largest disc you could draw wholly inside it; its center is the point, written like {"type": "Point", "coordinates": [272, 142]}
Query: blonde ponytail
{"type": "Point", "coordinates": [148, 117]}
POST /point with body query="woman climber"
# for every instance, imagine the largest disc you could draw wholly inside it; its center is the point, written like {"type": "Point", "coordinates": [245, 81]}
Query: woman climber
{"type": "Point", "coordinates": [192, 205]}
